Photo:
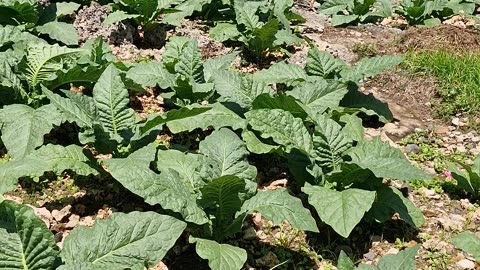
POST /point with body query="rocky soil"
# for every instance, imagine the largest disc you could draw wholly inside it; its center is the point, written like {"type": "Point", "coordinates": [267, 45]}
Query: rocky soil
{"type": "Point", "coordinates": [408, 97]}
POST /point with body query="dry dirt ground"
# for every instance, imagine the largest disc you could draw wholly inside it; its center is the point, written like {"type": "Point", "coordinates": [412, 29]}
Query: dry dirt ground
{"type": "Point", "coordinates": [64, 205]}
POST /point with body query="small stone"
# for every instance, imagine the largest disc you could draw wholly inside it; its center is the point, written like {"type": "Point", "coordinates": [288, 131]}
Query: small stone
{"type": "Point", "coordinates": [250, 234]}
{"type": "Point", "coordinates": [456, 121]}
{"type": "Point", "coordinates": [369, 256]}
{"type": "Point", "coordinates": [466, 264]}
{"type": "Point", "coordinates": [87, 221]}
{"type": "Point", "coordinates": [392, 251]}
{"type": "Point", "coordinates": [476, 139]}
{"type": "Point", "coordinates": [60, 215]}
{"type": "Point", "coordinates": [461, 149]}
{"type": "Point", "coordinates": [412, 148]}
{"type": "Point", "coordinates": [428, 192]}
{"type": "Point", "coordinates": [73, 221]}
{"type": "Point", "coordinates": [44, 215]}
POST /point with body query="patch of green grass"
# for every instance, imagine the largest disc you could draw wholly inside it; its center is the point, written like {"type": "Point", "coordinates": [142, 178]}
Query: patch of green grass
{"type": "Point", "coordinates": [457, 75]}
{"type": "Point", "coordinates": [365, 49]}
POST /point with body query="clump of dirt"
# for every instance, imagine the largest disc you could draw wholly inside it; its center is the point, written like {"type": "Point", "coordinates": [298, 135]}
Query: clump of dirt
{"type": "Point", "coordinates": [147, 103]}
{"type": "Point", "coordinates": [413, 92]}
{"type": "Point", "coordinates": [446, 37]}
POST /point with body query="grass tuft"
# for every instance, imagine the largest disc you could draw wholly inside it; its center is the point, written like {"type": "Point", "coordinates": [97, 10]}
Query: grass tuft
{"type": "Point", "coordinates": [457, 75]}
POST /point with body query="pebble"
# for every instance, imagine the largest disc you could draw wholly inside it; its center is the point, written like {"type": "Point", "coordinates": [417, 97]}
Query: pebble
{"type": "Point", "coordinates": [73, 221]}
{"type": "Point", "coordinates": [369, 256]}
{"type": "Point", "coordinates": [466, 264]}
{"type": "Point", "coordinates": [60, 215]}
{"type": "Point", "coordinates": [412, 148]}
{"type": "Point", "coordinates": [44, 215]}
{"type": "Point", "coordinates": [456, 121]}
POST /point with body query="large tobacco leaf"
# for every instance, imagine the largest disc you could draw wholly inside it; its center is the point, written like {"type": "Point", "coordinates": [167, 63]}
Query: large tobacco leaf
{"type": "Point", "coordinates": [23, 127]}
{"type": "Point", "coordinates": [166, 189]}
{"type": "Point", "coordinates": [220, 256]}
{"type": "Point", "coordinates": [318, 95]}
{"type": "Point", "coordinates": [369, 67]}
{"type": "Point", "coordinates": [78, 110]}
{"type": "Point", "coordinates": [25, 241]}
{"type": "Point", "coordinates": [468, 242]}
{"type": "Point", "coordinates": [239, 89]}
{"type": "Point", "coordinates": [330, 143]}
{"type": "Point", "coordinates": [279, 206]}
{"type": "Point", "coordinates": [322, 64]}
{"type": "Point", "coordinates": [226, 154]}
{"type": "Point", "coordinates": [283, 102]}
{"type": "Point", "coordinates": [111, 100]}
{"type": "Point", "coordinates": [134, 241]}
{"type": "Point", "coordinates": [282, 72]}
{"type": "Point", "coordinates": [186, 164]}
{"type": "Point", "coordinates": [42, 61]}
{"type": "Point", "coordinates": [216, 116]}
{"type": "Point", "coordinates": [61, 31]}
{"type": "Point", "coordinates": [342, 210]}
{"type": "Point", "coordinates": [151, 74]}
{"type": "Point", "coordinates": [391, 201]}
{"type": "Point", "coordinates": [282, 127]}
{"type": "Point", "coordinates": [384, 161]}
{"type": "Point", "coordinates": [221, 198]}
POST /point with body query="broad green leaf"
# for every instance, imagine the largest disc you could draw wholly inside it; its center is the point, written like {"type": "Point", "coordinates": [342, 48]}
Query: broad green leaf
{"type": "Point", "coordinates": [226, 155]}
{"type": "Point", "coordinates": [404, 260]}
{"type": "Point", "coordinates": [213, 65]}
{"type": "Point", "coordinates": [219, 256]}
{"type": "Point", "coordinates": [287, 38]}
{"type": "Point", "coordinates": [189, 64]}
{"type": "Point", "coordinates": [350, 173]}
{"type": "Point", "coordinates": [10, 34]}
{"type": "Point", "coordinates": [255, 145]}
{"type": "Point", "coordinates": [18, 12]}
{"type": "Point", "coordinates": [224, 31]}
{"type": "Point", "coordinates": [218, 116]}
{"type": "Point", "coordinates": [166, 189]}
{"type": "Point", "coordinates": [185, 164]}
{"type": "Point", "coordinates": [353, 127]}
{"type": "Point", "coordinates": [11, 171]}
{"type": "Point", "coordinates": [369, 67]}
{"type": "Point", "coordinates": [343, 19]}
{"type": "Point", "coordinates": [390, 201]}
{"type": "Point", "coordinates": [330, 142]}
{"type": "Point", "coordinates": [322, 64]}
{"type": "Point", "coordinates": [468, 242]}
{"type": "Point", "coordinates": [118, 16]}
{"type": "Point", "coordinates": [222, 196]}
{"type": "Point", "coordinates": [43, 60]}
{"type": "Point", "coordinates": [341, 210]}
{"type": "Point", "coordinates": [25, 241]}
{"type": "Point", "coordinates": [59, 158]}
{"type": "Point", "coordinates": [182, 10]}
{"type": "Point", "coordinates": [11, 87]}
{"type": "Point", "coordinates": [279, 206]}
{"type": "Point", "coordinates": [66, 8]}
{"type": "Point", "coordinates": [281, 72]}
{"type": "Point", "coordinates": [263, 37]}
{"type": "Point", "coordinates": [282, 127]}
{"type": "Point", "coordinates": [356, 101]}
{"type": "Point", "coordinates": [157, 121]}
{"type": "Point", "coordinates": [69, 108]}
{"type": "Point", "coordinates": [173, 50]}
{"type": "Point", "coordinates": [319, 95]}
{"type": "Point", "coordinates": [23, 127]}
{"type": "Point", "coordinates": [151, 74]}
{"type": "Point", "coordinates": [246, 14]}
{"type": "Point", "coordinates": [344, 262]}
{"type": "Point", "coordinates": [134, 241]}
{"type": "Point", "coordinates": [111, 100]}
{"type": "Point", "coordinates": [239, 89]}
{"type": "Point", "coordinates": [384, 161]}
{"type": "Point", "coordinates": [283, 102]}
{"type": "Point", "coordinates": [63, 32]}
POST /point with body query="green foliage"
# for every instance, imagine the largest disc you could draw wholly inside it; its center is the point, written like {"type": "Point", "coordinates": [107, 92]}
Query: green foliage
{"type": "Point", "coordinates": [431, 13]}
{"type": "Point", "coordinates": [468, 242]}
{"type": "Point", "coordinates": [456, 77]}
{"type": "Point", "coordinates": [261, 26]}
{"type": "Point", "coordinates": [345, 12]}
{"type": "Point", "coordinates": [469, 178]}
{"type": "Point", "coordinates": [403, 260]}
{"type": "Point", "coordinates": [135, 240]}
